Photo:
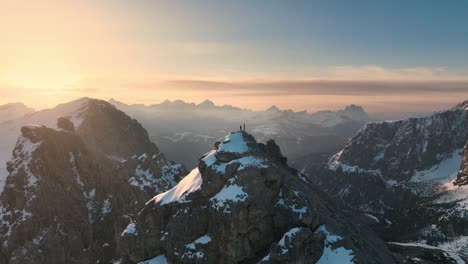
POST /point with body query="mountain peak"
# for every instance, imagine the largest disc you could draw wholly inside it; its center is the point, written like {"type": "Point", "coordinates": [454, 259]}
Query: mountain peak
{"type": "Point", "coordinates": [273, 108]}
{"type": "Point", "coordinates": [461, 106]}
{"type": "Point", "coordinates": [353, 107]}
{"type": "Point", "coordinates": [76, 191]}
{"type": "Point", "coordinates": [206, 104]}
{"type": "Point", "coordinates": [238, 188]}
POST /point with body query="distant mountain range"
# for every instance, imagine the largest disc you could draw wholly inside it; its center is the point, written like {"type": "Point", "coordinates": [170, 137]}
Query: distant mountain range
{"type": "Point", "coordinates": [177, 124]}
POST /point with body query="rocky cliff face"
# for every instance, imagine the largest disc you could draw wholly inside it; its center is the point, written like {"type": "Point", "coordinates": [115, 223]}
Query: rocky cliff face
{"type": "Point", "coordinates": [401, 148]}
{"type": "Point", "coordinates": [462, 177]}
{"type": "Point", "coordinates": [70, 192]}
{"type": "Point", "coordinates": [403, 174]}
{"type": "Point", "coordinates": [243, 204]}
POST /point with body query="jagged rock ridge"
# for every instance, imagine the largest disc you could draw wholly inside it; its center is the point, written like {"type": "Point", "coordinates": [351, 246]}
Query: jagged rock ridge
{"type": "Point", "coordinates": [404, 174]}
{"type": "Point", "coordinates": [243, 204]}
{"type": "Point", "coordinates": [70, 192]}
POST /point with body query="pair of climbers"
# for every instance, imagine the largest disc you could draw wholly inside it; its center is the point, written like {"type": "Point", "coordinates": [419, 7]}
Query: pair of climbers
{"type": "Point", "coordinates": [242, 129]}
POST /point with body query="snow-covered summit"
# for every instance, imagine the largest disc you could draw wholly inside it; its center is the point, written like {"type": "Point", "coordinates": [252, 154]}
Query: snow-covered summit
{"type": "Point", "coordinates": [237, 148]}
{"type": "Point", "coordinates": [239, 188]}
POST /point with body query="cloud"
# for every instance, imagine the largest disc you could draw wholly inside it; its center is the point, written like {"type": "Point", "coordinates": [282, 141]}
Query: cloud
{"type": "Point", "coordinates": [374, 72]}
{"type": "Point", "coordinates": [321, 87]}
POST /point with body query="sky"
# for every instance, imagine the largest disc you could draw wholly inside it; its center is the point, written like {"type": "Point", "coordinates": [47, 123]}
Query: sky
{"type": "Point", "coordinates": [388, 56]}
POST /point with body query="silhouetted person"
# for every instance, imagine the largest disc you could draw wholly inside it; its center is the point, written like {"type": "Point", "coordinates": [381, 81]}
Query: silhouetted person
{"type": "Point", "coordinates": [240, 128]}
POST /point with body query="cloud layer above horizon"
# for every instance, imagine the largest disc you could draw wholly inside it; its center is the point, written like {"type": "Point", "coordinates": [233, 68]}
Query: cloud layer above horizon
{"type": "Point", "coordinates": [388, 56]}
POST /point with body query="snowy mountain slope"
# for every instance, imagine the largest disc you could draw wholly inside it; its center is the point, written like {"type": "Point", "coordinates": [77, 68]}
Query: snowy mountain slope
{"type": "Point", "coordinates": [243, 204]}
{"type": "Point", "coordinates": [406, 173]}
{"type": "Point", "coordinates": [400, 148]}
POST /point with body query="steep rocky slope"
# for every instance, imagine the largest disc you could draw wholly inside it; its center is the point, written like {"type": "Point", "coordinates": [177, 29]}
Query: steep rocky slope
{"type": "Point", "coordinates": [400, 149]}
{"type": "Point", "coordinates": [71, 190]}
{"type": "Point", "coordinates": [403, 174]}
{"type": "Point", "coordinates": [462, 177]}
{"type": "Point", "coordinates": [243, 204]}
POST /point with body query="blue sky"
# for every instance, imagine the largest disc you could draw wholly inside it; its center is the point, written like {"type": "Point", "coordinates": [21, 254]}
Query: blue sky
{"type": "Point", "coordinates": [320, 33]}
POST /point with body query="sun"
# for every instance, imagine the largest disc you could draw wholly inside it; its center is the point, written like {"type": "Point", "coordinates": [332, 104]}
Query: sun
{"type": "Point", "coordinates": [41, 74]}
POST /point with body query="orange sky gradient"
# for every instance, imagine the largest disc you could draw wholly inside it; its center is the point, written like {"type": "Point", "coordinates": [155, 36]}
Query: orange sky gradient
{"type": "Point", "coordinates": [57, 51]}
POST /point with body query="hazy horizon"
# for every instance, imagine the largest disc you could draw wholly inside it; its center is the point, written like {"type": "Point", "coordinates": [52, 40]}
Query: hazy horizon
{"type": "Point", "coordinates": [394, 57]}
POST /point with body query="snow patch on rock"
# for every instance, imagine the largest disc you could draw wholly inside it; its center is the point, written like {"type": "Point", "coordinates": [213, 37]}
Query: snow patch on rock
{"type": "Point", "coordinates": [130, 229]}
{"type": "Point", "coordinates": [161, 259]}
{"type": "Point", "coordinates": [233, 143]}
{"type": "Point", "coordinates": [191, 183]}
{"type": "Point", "coordinates": [231, 192]}
{"type": "Point", "coordinates": [446, 169]}
{"type": "Point", "coordinates": [287, 237]}
{"type": "Point", "coordinates": [333, 254]}
{"type": "Point", "coordinates": [201, 240]}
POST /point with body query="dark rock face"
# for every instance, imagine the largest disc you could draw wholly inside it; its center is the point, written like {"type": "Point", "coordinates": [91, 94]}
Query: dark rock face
{"type": "Point", "coordinates": [397, 149]}
{"type": "Point", "coordinates": [66, 124]}
{"type": "Point", "coordinates": [462, 178]}
{"type": "Point", "coordinates": [419, 254]}
{"type": "Point", "coordinates": [68, 196]}
{"type": "Point", "coordinates": [112, 132]}
{"type": "Point", "coordinates": [403, 174]}
{"type": "Point", "coordinates": [243, 204]}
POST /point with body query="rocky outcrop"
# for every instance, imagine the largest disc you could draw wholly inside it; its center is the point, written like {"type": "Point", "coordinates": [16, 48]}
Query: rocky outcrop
{"type": "Point", "coordinates": [112, 132]}
{"type": "Point", "coordinates": [462, 177]}
{"type": "Point", "coordinates": [243, 204]}
{"type": "Point", "coordinates": [70, 192]}
{"type": "Point", "coordinates": [65, 124]}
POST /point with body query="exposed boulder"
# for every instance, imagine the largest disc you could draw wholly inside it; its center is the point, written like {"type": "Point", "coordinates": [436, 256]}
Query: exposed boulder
{"type": "Point", "coordinates": [66, 124]}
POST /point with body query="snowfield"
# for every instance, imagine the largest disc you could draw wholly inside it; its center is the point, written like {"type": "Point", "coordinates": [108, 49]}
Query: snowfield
{"type": "Point", "coordinates": [190, 183]}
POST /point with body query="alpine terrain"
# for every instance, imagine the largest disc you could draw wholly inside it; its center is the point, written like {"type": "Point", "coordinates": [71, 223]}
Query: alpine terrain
{"type": "Point", "coordinates": [410, 178]}
{"type": "Point", "coordinates": [72, 187]}
{"type": "Point", "coordinates": [243, 204]}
